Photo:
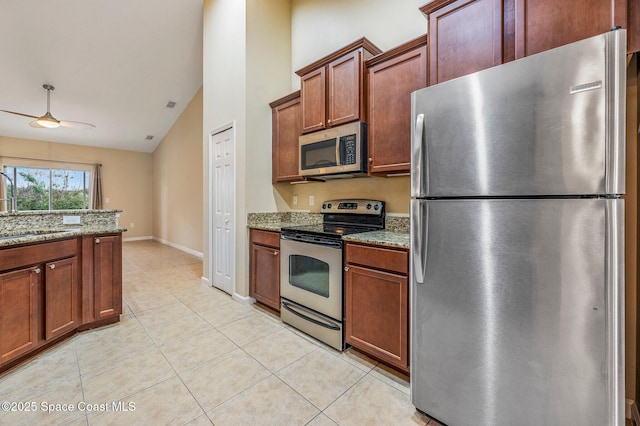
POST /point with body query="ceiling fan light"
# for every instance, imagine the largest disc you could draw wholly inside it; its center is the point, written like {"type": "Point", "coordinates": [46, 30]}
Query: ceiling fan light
{"type": "Point", "coordinates": [48, 122]}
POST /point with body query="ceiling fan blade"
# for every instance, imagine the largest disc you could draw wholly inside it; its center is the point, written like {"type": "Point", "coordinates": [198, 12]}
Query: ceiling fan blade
{"type": "Point", "coordinates": [77, 125]}
{"type": "Point", "coordinates": [19, 113]}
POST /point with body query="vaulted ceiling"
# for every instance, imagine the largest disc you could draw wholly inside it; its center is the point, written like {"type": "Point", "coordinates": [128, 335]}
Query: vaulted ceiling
{"type": "Point", "coordinates": [115, 64]}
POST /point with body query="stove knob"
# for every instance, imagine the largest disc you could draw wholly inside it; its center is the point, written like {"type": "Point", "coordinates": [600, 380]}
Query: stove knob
{"type": "Point", "coordinates": [376, 207]}
{"type": "Point", "coordinates": [369, 206]}
{"type": "Point", "coordinates": [324, 206]}
{"type": "Point", "coordinates": [329, 205]}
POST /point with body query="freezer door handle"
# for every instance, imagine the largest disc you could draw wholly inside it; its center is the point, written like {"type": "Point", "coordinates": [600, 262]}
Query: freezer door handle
{"type": "Point", "coordinates": [419, 172]}
{"type": "Point", "coordinates": [420, 230]}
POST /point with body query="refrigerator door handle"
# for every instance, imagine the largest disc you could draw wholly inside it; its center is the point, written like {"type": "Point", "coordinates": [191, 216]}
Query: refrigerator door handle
{"type": "Point", "coordinates": [419, 235]}
{"type": "Point", "coordinates": [419, 171]}
{"type": "Point", "coordinates": [615, 309]}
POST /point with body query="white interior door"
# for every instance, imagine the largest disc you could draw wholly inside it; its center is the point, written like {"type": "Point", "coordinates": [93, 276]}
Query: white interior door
{"type": "Point", "coordinates": [222, 208]}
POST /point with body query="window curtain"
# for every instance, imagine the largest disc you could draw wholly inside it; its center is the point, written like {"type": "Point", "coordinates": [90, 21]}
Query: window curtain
{"type": "Point", "coordinates": [4, 205]}
{"type": "Point", "coordinates": [96, 199]}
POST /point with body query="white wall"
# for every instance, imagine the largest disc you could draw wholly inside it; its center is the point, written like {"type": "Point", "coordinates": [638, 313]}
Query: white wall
{"type": "Point", "coordinates": [224, 94]}
{"type": "Point", "coordinates": [319, 27]}
{"type": "Point", "coordinates": [251, 50]}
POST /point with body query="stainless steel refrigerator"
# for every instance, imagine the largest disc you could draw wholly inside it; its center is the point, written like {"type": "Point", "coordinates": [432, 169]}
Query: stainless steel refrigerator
{"type": "Point", "coordinates": [517, 273]}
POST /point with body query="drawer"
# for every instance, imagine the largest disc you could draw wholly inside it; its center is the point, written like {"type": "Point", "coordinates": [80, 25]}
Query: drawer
{"type": "Point", "coordinates": [12, 258]}
{"type": "Point", "coordinates": [378, 258]}
{"type": "Point", "coordinates": [265, 238]}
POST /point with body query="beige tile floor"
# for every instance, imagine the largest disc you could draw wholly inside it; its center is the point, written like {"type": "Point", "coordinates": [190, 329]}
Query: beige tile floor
{"type": "Point", "coordinates": [185, 353]}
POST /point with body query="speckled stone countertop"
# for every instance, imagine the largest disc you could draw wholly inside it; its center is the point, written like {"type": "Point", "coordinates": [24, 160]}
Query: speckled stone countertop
{"type": "Point", "coordinates": [395, 234]}
{"type": "Point", "coordinates": [35, 226]}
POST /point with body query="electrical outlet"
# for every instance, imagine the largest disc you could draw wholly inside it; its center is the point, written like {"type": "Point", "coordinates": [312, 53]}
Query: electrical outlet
{"type": "Point", "coordinates": [107, 200]}
{"type": "Point", "coordinates": [70, 220]}
{"type": "Point", "coordinates": [312, 200]}
{"type": "Point", "coordinates": [132, 225]}
{"type": "Point", "coordinates": [295, 200]}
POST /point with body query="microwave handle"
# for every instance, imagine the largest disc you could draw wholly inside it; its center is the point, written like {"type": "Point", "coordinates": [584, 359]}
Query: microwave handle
{"type": "Point", "coordinates": [338, 151]}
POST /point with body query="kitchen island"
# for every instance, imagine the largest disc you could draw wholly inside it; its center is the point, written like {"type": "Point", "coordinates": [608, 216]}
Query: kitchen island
{"type": "Point", "coordinates": [60, 273]}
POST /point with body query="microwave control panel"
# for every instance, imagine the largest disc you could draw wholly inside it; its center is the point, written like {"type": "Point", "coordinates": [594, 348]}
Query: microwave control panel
{"type": "Point", "coordinates": [349, 143]}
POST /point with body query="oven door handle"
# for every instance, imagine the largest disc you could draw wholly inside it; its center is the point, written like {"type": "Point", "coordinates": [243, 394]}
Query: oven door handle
{"type": "Point", "coordinates": [289, 308]}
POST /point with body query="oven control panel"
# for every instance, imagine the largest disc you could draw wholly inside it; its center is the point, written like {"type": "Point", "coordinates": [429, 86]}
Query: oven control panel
{"type": "Point", "coordinates": [355, 206]}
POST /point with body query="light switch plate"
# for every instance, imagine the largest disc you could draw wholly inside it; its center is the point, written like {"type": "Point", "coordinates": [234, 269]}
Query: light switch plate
{"type": "Point", "coordinates": [71, 220]}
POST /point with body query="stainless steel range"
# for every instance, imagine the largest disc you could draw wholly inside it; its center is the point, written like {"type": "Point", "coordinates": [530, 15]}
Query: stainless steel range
{"type": "Point", "coordinates": [311, 267]}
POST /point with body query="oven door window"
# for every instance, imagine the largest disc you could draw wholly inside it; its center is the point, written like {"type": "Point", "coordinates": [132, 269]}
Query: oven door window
{"type": "Point", "coordinates": [318, 155]}
{"type": "Point", "coordinates": [309, 274]}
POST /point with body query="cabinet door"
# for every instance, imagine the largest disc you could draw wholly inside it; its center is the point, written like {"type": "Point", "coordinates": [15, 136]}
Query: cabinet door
{"type": "Point", "coordinates": [62, 307]}
{"type": "Point", "coordinates": [18, 312]}
{"type": "Point", "coordinates": [465, 36]}
{"type": "Point", "coordinates": [312, 92]}
{"type": "Point", "coordinates": [264, 280]}
{"type": "Point", "coordinates": [544, 24]}
{"type": "Point", "coordinates": [390, 86]}
{"type": "Point", "coordinates": [286, 130]}
{"type": "Point", "coordinates": [345, 89]}
{"type": "Point", "coordinates": [107, 274]}
{"type": "Point", "coordinates": [376, 314]}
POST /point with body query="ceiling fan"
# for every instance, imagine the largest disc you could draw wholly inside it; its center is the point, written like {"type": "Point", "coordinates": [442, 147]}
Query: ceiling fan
{"type": "Point", "coordinates": [49, 121]}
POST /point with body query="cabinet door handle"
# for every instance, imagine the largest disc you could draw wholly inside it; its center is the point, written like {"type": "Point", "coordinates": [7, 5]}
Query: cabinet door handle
{"type": "Point", "coordinates": [36, 271]}
{"type": "Point", "coordinates": [97, 240]}
{"type": "Point", "coordinates": [346, 268]}
{"type": "Point", "coordinates": [320, 123]}
{"type": "Point", "coordinates": [370, 160]}
{"type": "Point", "coordinates": [329, 121]}
{"type": "Point", "coordinates": [52, 266]}
{"type": "Point", "coordinates": [275, 252]}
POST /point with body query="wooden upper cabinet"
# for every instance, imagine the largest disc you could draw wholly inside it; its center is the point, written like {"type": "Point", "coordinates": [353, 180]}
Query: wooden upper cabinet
{"type": "Point", "coordinates": [286, 125]}
{"type": "Point", "coordinates": [465, 36]}
{"type": "Point", "coordinates": [314, 103]}
{"type": "Point", "coordinates": [545, 24]}
{"type": "Point", "coordinates": [393, 76]}
{"type": "Point", "coordinates": [332, 88]}
{"type": "Point", "coordinates": [345, 89]}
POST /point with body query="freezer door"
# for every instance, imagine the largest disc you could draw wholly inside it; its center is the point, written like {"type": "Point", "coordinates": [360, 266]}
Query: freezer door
{"type": "Point", "coordinates": [549, 124]}
{"type": "Point", "coordinates": [517, 311]}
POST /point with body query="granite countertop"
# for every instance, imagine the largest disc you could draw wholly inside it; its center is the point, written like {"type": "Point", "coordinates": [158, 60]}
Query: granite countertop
{"type": "Point", "coordinates": [382, 238]}
{"type": "Point", "coordinates": [38, 235]}
{"type": "Point", "coordinates": [395, 235]}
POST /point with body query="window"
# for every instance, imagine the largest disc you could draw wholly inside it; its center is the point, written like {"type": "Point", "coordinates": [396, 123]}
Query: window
{"type": "Point", "coordinates": [39, 188]}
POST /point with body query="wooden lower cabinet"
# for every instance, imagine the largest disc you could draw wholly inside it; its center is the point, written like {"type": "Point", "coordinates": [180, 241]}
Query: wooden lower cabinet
{"type": "Point", "coordinates": [264, 269]}
{"type": "Point", "coordinates": [102, 267]}
{"type": "Point", "coordinates": [377, 303]}
{"type": "Point", "coordinates": [62, 297]}
{"type": "Point", "coordinates": [19, 315]}
{"type": "Point", "coordinates": [47, 288]}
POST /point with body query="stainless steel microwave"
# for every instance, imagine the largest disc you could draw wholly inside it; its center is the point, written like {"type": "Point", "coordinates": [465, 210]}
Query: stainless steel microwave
{"type": "Point", "coordinates": [335, 151]}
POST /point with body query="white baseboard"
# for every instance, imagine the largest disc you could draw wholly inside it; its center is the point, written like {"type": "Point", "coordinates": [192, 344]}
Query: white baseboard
{"type": "Point", "coordinates": [245, 300]}
{"type": "Point", "coordinates": [179, 247]}
{"type": "Point", "coordinates": [149, 237]}
{"type": "Point", "coordinates": [205, 281]}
